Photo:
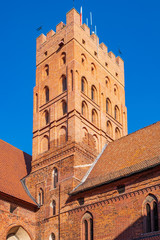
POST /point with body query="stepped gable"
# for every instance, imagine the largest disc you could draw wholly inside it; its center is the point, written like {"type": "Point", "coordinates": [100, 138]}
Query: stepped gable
{"type": "Point", "coordinates": [133, 153]}
{"type": "Point", "coordinates": [14, 166]}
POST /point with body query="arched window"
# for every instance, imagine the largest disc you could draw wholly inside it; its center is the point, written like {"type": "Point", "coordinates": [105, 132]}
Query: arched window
{"type": "Point", "coordinates": [109, 128]}
{"type": "Point", "coordinates": [63, 58]}
{"type": "Point", "coordinates": [108, 106]}
{"type": "Point", "coordinates": [52, 237]}
{"type": "Point", "coordinates": [41, 197]}
{"type": "Point", "coordinates": [107, 82]}
{"type": "Point", "coordinates": [116, 113]}
{"type": "Point", "coordinates": [93, 68]}
{"type": "Point", "coordinates": [64, 107]}
{"type": "Point", "coordinates": [93, 93]}
{"type": "Point", "coordinates": [155, 214]}
{"type": "Point", "coordinates": [117, 133]}
{"type": "Point", "coordinates": [87, 227]}
{"type": "Point", "coordinates": [44, 144]}
{"type": "Point", "coordinates": [64, 83]}
{"type": "Point", "coordinates": [54, 207]}
{"type": "Point", "coordinates": [46, 70]}
{"type": "Point", "coordinates": [150, 214]}
{"type": "Point", "coordinates": [115, 90]}
{"type": "Point", "coordinates": [62, 139]}
{"type": "Point", "coordinates": [84, 85]}
{"type": "Point", "coordinates": [96, 142]}
{"type": "Point", "coordinates": [91, 228]}
{"type": "Point", "coordinates": [83, 59]}
{"type": "Point", "coordinates": [84, 109]}
{"type": "Point", "coordinates": [148, 221]}
{"type": "Point", "coordinates": [46, 92]}
{"type": "Point", "coordinates": [55, 177]}
{"type": "Point", "coordinates": [94, 117]}
{"type": "Point", "coordinates": [46, 117]}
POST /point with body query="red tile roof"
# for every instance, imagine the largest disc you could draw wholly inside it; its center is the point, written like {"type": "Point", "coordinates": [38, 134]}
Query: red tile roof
{"type": "Point", "coordinates": [130, 154]}
{"type": "Point", "coordinates": [14, 165]}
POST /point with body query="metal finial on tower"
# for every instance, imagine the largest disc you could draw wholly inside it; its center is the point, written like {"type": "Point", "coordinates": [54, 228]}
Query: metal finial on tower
{"type": "Point", "coordinates": [91, 21]}
{"type": "Point", "coordinates": [81, 16]}
{"type": "Point", "coordinates": [87, 21]}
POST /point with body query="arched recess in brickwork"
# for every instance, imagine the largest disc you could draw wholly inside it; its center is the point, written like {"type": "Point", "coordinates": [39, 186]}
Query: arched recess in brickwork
{"type": "Point", "coordinates": [41, 197]}
{"type": "Point", "coordinates": [93, 68]}
{"type": "Point", "coordinates": [85, 135]}
{"type": "Point", "coordinates": [115, 89]}
{"type": "Point", "coordinates": [63, 84]}
{"type": "Point", "coordinates": [52, 237]}
{"type": "Point", "coordinates": [94, 93]}
{"type": "Point", "coordinates": [84, 85]}
{"type": "Point", "coordinates": [44, 144]}
{"type": "Point", "coordinates": [63, 59]}
{"type": "Point", "coordinates": [150, 214]}
{"type": "Point", "coordinates": [108, 106]}
{"type": "Point", "coordinates": [55, 177]}
{"type": "Point", "coordinates": [45, 117]}
{"type": "Point", "coordinates": [64, 107]}
{"type": "Point", "coordinates": [45, 94]}
{"type": "Point", "coordinates": [96, 141]}
{"type": "Point", "coordinates": [94, 117]}
{"type": "Point", "coordinates": [116, 113]}
{"type": "Point", "coordinates": [46, 71]}
{"type": "Point", "coordinates": [117, 133]}
{"type": "Point", "coordinates": [18, 233]}
{"type": "Point", "coordinates": [109, 128]}
{"type": "Point", "coordinates": [62, 135]}
{"type": "Point", "coordinates": [83, 59]}
{"type": "Point", "coordinates": [53, 208]}
{"type": "Point", "coordinates": [84, 109]}
{"type": "Point", "coordinates": [87, 226]}
{"type": "Point", "coordinates": [107, 81]}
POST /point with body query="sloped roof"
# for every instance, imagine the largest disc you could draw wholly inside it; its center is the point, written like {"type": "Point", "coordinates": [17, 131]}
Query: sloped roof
{"type": "Point", "coordinates": [14, 165]}
{"type": "Point", "coordinates": [130, 154]}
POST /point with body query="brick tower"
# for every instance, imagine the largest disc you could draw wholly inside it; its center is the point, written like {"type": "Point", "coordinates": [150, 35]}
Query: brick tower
{"type": "Point", "coordinates": [79, 106]}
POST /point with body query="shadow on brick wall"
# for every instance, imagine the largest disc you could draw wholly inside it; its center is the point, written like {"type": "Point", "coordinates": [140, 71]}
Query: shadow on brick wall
{"type": "Point", "coordinates": [28, 161]}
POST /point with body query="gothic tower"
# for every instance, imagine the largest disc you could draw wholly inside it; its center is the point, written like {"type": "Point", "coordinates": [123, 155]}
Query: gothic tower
{"type": "Point", "coordinates": [79, 106]}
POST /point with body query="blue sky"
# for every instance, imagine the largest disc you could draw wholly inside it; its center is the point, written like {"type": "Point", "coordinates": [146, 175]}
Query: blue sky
{"type": "Point", "coordinates": [132, 26]}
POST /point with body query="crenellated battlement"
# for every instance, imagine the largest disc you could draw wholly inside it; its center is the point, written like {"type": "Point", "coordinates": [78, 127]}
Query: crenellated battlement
{"type": "Point", "coordinates": [73, 29]}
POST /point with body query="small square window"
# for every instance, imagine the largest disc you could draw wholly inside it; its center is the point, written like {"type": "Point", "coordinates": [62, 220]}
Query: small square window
{"type": "Point", "coordinates": [106, 64]}
{"type": "Point", "coordinates": [116, 74]}
{"type": "Point", "coordinates": [95, 53]}
{"type": "Point", "coordinates": [83, 41]}
{"type": "Point", "coordinates": [45, 53]}
{"type": "Point", "coordinates": [12, 208]}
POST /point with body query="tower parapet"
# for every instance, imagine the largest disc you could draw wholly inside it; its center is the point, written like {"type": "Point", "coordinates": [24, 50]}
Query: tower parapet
{"type": "Point", "coordinates": [82, 33]}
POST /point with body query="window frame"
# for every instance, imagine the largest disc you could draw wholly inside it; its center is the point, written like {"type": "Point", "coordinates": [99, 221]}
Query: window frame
{"type": "Point", "coordinates": [87, 226]}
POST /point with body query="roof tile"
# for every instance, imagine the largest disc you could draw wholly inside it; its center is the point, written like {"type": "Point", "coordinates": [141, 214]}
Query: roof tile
{"type": "Point", "coordinates": [127, 155]}
{"type": "Point", "coordinates": [14, 165]}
